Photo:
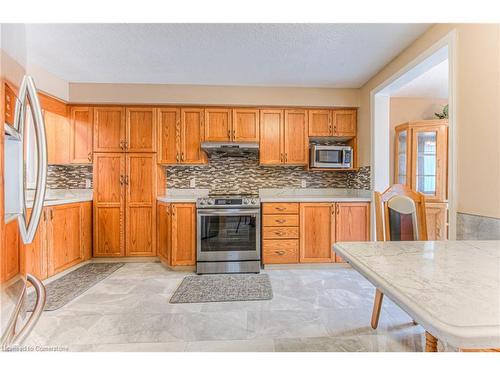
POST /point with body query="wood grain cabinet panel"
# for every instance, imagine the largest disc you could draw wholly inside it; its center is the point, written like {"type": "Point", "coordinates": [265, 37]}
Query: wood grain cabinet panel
{"type": "Point", "coordinates": [86, 229]}
{"type": "Point", "coordinates": [164, 232]}
{"type": "Point", "coordinates": [109, 204]}
{"type": "Point", "coordinates": [81, 134]}
{"type": "Point", "coordinates": [140, 214]}
{"type": "Point", "coordinates": [352, 223]}
{"type": "Point", "coordinates": [280, 220]}
{"type": "Point", "coordinates": [218, 125]}
{"type": "Point", "coordinates": [192, 129]}
{"type": "Point", "coordinates": [436, 219]}
{"type": "Point", "coordinates": [9, 104]}
{"type": "Point", "coordinates": [64, 240]}
{"type": "Point", "coordinates": [269, 233]}
{"type": "Point", "coordinates": [10, 252]}
{"type": "Point", "coordinates": [169, 132]}
{"type": "Point", "coordinates": [57, 129]}
{"type": "Point", "coordinates": [246, 125]}
{"type": "Point", "coordinates": [271, 129]}
{"type": "Point", "coordinates": [109, 129]}
{"type": "Point", "coordinates": [140, 129]}
{"type": "Point", "coordinates": [320, 123]}
{"type": "Point", "coordinates": [183, 241]}
{"type": "Point", "coordinates": [34, 256]}
{"type": "Point", "coordinates": [317, 232]}
{"type": "Point", "coordinates": [280, 251]}
{"type": "Point", "coordinates": [280, 208]}
{"type": "Point", "coordinates": [344, 122]}
{"type": "Point", "coordinates": [295, 141]}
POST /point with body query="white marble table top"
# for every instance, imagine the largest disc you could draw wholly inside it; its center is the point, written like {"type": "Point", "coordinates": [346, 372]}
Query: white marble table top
{"type": "Point", "coordinates": [451, 288]}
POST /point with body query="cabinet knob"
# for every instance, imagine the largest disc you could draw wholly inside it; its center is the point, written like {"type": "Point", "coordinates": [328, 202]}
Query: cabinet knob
{"type": "Point", "coordinates": [280, 252]}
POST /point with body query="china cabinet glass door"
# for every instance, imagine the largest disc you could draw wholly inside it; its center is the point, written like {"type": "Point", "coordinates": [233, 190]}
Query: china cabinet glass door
{"type": "Point", "coordinates": [401, 167]}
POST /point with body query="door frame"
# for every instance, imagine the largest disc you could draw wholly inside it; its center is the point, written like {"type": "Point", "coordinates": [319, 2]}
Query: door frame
{"type": "Point", "coordinates": [379, 115]}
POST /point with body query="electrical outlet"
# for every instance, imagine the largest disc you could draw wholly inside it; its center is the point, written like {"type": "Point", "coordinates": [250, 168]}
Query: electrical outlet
{"type": "Point", "coordinates": [88, 183]}
{"type": "Point", "coordinates": [192, 182]}
{"type": "Point", "coordinates": [303, 183]}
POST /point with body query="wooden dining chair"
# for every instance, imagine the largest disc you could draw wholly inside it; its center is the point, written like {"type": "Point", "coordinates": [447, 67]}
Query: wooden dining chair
{"type": "Point", "coordinates": [400, 216]}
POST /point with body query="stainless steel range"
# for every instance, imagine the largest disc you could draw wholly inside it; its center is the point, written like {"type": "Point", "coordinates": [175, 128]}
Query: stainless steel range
{"type": "Point", "coordinates": [228, 234]}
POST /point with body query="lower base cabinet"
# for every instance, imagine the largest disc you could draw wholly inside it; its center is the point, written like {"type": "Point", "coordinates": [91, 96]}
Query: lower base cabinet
{"type": "Point", "coordinates": [63, 239]}
{"type": "Point", "coordinates": [176, 228]}
{"type": "Point", "coordinates": [9, 266]}
{"type": "Point", "coordinates": [311, 230]}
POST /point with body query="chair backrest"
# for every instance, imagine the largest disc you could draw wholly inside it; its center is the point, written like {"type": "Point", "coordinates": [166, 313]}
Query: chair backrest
{"type": "Point", "coordinates": [400, 215]}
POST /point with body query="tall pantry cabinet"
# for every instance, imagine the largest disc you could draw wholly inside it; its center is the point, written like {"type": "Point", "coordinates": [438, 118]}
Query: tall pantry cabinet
{"type": "Point", "coordinates": [124, 181]}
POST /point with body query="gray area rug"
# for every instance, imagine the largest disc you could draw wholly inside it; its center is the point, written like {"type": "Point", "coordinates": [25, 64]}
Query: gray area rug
{"type": "Point", "coordinates": [223, 288]}
{"type": "Point", "coordinates": [71, 285]}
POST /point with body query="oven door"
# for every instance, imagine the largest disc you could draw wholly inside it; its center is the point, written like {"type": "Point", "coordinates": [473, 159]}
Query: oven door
{"type": "Point", "coordinates": [228, 234]}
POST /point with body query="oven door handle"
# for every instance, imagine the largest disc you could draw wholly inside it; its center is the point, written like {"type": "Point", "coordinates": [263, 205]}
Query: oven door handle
{"type": "Point", "coordinates": [227, 211]}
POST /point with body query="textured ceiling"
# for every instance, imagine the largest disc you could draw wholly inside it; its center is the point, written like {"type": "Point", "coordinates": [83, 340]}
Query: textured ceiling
{"type": "Point", "coordinates": [309, 55]}
{"type": "Point", "coordinates": [431, 84]}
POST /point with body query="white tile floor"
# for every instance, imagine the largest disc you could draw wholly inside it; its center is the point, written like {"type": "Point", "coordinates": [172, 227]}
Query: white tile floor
{"type": "Point", "coordinates": [312, 310]}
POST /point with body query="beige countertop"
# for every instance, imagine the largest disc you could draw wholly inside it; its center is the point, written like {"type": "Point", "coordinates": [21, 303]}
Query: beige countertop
{"type": "Point", "coordinates": [314, 195]}
{"type": "Point", "coordinates": [183, 195]}
{"type": "Point", "coordinates": [55, 197]}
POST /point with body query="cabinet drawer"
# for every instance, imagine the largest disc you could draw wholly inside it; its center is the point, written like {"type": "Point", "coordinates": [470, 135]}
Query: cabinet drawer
{"type": "Point", "coordinates": [280, 220]}
{"type": "Point", "coordinates": [269, 233]}
{"type": "Point", "coordinates": [280, 251]}
{"type": "Point", "coordinates": [280, 208]}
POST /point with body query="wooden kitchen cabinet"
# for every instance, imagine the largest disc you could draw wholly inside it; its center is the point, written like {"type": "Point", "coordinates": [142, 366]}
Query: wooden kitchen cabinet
{"type": "Point", "coordinates": [333, 123]}
{"type": "Point", "coordinates": [352, 223]}
{"type": "Point", "coordinates": [86, 229]}
{"type": "Point", "coordinates": [140, 129]}
{"type": "Point", "coordinates": [57, 130]}
{"type": "Point", "coordinates": [34, 256]}
{"type": "Point", "coordinates": [283, 137]}
{"type": "Point", "coordinates": [64, 246]}
{"type": "Point", "coordinates": [192, 125]}
{"type": "Point", "coordinates": [246, 125]}
{"type": "Point", "coordinates": [218, 125]}
{"type": "Point", "coordinates": [164, 231]}
{"type": "Point", "coordinates": [140, 211]}
{"type": "Point", "coordinates": [9, 266]}
{"type": "Point", "coordinates": [9, 103]}
{"type": "Point", "coordinates": [436, 219]}
{"type": "Point", "coordinates": [344, 122]}
{"type": "Point", "coordinates": [109, 129]}
{"type": "Point", "coordinates": [317, 232]}
{"type": "Point", "coordinates": [169, 131]}
{"type": "Point", "coordinates": [109, 204]}
{"type": "Point", "coordinates": [81, 134]}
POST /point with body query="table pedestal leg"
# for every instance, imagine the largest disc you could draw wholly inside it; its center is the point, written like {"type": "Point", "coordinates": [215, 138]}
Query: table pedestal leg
{"type": "Point", "coordinates": [430, 342]}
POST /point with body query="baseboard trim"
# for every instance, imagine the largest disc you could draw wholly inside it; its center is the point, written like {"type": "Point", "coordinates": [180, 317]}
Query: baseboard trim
{"type": "Point", "coordinates": [307, 266]}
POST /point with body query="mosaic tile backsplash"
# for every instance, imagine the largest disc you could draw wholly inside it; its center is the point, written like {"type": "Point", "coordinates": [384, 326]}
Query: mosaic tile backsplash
{"type": "Point", "coordinates": [68, 176]}
{"type": "Point", "coordinates": [243, 175]}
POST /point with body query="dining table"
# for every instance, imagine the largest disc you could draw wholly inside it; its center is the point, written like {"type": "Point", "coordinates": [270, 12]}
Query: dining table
{"type": "Point", "coordinates": [450, 288]}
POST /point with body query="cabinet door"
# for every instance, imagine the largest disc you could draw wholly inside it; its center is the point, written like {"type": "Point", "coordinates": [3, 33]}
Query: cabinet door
{"type": "Point", "coordinates": [10, 104]}
{"type": "Point", "coordinates": [296, 143]}
{"type": "Point", "coordinates": [352, 223]}
{"type": "Point", "coordinates": [429, 158]}
{"type": "Point", "coordinates": [435, 216]}
{"type": "Point", "coordinates": [57, 129]}
{"type": "Point", "coordinates": [140, 130]}
{"type": "Point", "coordinates": [246, 125]}
{"type": "Point", "coordinates": [169, 129]}
{"type": "Point", "coordinates": [109, 129]}
{"type": "Point", "coordinates": [271, 130]}
{"type": "Point", "coordinates": [81, 135]}
{"type": "Point", "coordinates": [320, 123]}
{"type": "Point", "coordinates": [183, 234]}
{"type": "Point", "coordinates": [140, 214]}
{"type": "Point", "coordinates": [86, 229]}
{"type": "Point", "coordinates": [402, 167]}
{"type": "Point", "coordinates": [10, 252]}
{"type": "Point", "coordinates": [344, 122]}
{"type": "Point", "coordinates": [109, 204]}
{"type": "Point", "coordinates": [34, 255]}
{"type": "Point", "coordinates": [218, 126]}
{"type": "Point", "coordinates": [317, 224]}
{"type": "Point", "coordinates": [63, 238]}
{"type": "Point", "coordinates": [164, 233]}
{"type": "Point", "coordinates": [192, 136]}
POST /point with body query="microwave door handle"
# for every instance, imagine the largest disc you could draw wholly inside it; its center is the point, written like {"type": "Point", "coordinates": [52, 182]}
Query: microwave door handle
{"type": "Point", "coordinates": [28, 228]}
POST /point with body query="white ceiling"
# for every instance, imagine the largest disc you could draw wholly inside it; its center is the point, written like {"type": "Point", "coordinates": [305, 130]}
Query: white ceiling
{"type": "Point", "coordinates": [307, 55]}
{"type": "Point", "coordinates": [431, 84]}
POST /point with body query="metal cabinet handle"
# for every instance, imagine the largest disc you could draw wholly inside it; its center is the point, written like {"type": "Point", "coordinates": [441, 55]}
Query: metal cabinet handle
{"type": "Point", "coordinates": [126, 145]}
{"type": "Point", "coordinates": [121, 145]}
{"type": "Point", "coordinates": [177, 157]}
{"type": "Point", "coordinates": [281, 221]}
{"type": "Point", "coordinates": [51, 214]}
{"type": "Point", "coordinates": [279, 233]}
{"type": "Point", "coordinates": [126, 180]}
{"type": "Point", "coordinates": [229, 133]}
{"type": "Point", "coordinates": [28, 92]}
{"type": "Point", "coordinates": [280, 208]}
{"type": "Point", "coordinates": [286, 157]}
{"type": "Point", "coordinates": [89, 156]}
{"type": "Point", "coordinates": [182, 156]}
{"type": "Point", "coordinates": [281, 157]}
{"type": "Point", "coordinates": [280, 252]}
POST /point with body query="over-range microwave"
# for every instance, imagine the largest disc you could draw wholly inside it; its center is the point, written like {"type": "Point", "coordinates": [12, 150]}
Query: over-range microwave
{"type": "Point", "coordinates": [333, 156]}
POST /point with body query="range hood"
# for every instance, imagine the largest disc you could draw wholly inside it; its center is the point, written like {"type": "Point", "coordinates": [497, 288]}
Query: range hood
{"type": "Point", "coordinates": [230, 148]}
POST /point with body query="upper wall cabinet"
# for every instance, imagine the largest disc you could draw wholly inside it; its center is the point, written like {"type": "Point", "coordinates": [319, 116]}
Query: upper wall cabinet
{"type": "Point", "coordinates": [332, 123]}
{"type": "Point", "coordinates": [57, 129]}
{"type": "Point", "coordinates": [81, 134]}
{"type": "Point", "coordinates": [283, 137]}
{"type": "Point", "coordinates": [109, 129]}
{"type": "Point", "coordinates": [218, 125]}
{"type": "Point", "coordinates": [245, 125]}
{"type": "Point", "coordinates": [191, 136]}
{"type": "Point", "coordinates": [169, 130]}
{"type": "Point", "coordinates": [140, 130]}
